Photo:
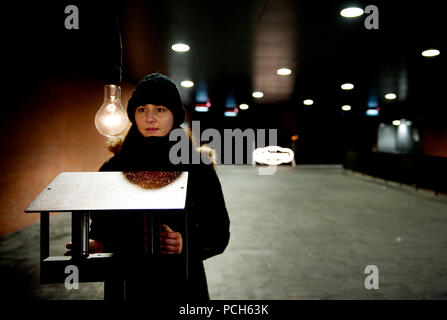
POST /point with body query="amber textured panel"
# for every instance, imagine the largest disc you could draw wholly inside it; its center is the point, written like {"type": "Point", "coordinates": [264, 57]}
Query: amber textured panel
{"type": "Point", "coordinates": [51, 131]}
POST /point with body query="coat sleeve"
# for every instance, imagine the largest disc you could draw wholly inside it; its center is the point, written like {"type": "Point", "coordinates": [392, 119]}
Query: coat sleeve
{"type": "Point", "coordinates": [98, 226]}
{"type": "Point", "coordinates": [209, 224]}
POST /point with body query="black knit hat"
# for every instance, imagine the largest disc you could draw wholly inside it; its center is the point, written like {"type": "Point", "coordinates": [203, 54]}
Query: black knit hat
{"type": "Point", "coordinates": [159, 90]}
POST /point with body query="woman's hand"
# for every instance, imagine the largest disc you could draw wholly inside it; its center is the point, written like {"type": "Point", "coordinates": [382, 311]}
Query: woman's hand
{"type": "Point", "coordinates": [171, 242]}
{"type": "Point", "coordinates": [94, 246]}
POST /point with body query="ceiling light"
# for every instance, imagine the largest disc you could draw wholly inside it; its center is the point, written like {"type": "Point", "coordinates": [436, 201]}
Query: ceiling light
{"type": "Point", "coordinates": [396, 122]}
{"type": "Point", "coordinates": [431, 53]}
{"type": "Point", "coordinates": [284, 71]}
{"type": "Point", "coordinates": [308, 102]}
{"type": "Point", "coordinates": [390, 96]}
{"type": "Point", "coordinates": [180, 47]}
{"type": "Point", "coordinates": [187, 84]}
{"type": "Point", "coordinates": [257, 94]}
{"type": "Point", "coordinates": [243, 106]}
{"type": "Point", "coordinates": [347, 86]}
{"type": "Point", "coordinates": [351, 12]}
{"type": "Point", "coordinates": [346, 108]}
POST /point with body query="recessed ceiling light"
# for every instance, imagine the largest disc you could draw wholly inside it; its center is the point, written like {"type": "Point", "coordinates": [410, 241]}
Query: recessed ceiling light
{"type": "Point", "coordinates": [431, 53]}
{"type": "Point", "coordinates": [257, 94]}
{"type": "Point", "coordinates": [308, 102]}
{"type": "Point", "coordinates": [243, 106]}
{"type": "Point", "coordinates": [187, 84]}
{"type": "Point", "coordinates": [180, 47]}
{"type": "Point", "coordinates": [347, 86]}
{"type": "Point", "coordinates": [351, 12]}
{"type": "Point", "coordinates": [346, 107]}
{"type": "Point", "coordinates": [284, 71]}
{"type": "Point", "coordinates": [396, 122]}
{"type": "Point", "coordinates": [390, 96]}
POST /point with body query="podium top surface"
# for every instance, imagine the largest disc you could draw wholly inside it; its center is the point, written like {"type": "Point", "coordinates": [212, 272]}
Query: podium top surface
{"type": "Point", "coordinates": [91, 191]}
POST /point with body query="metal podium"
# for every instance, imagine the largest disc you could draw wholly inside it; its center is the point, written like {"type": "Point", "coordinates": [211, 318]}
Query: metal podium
{"type": "Point", "coordinates": [151, 193]}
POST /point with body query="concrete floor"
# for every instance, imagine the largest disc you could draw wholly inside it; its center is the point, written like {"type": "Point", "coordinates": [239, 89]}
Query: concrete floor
{"type": "Point", "coordinates": [302, 233]}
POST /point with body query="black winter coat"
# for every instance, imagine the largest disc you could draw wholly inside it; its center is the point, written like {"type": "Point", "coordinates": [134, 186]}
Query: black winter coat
{"type": "Point", "coordinates": [208, 225]}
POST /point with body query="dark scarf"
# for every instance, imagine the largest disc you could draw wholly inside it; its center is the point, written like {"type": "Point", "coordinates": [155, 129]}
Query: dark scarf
{"type": "Point", "coordinates": [139, 153]}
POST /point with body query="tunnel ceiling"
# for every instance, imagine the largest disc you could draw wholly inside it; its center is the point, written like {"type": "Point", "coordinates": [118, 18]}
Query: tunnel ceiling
{"type": "Point", "coordinates": [237, 46]}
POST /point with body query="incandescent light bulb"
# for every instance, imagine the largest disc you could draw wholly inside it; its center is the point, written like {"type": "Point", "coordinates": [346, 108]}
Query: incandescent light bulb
{"type": "Point", "coordinates": [111, 119]}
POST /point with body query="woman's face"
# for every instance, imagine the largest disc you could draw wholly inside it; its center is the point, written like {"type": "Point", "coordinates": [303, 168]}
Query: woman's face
{"type": "Point", "coordinates": [154, 121]}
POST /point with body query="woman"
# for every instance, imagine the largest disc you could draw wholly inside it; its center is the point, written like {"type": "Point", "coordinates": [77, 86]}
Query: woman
{"type": "Point", "coordinates": [155, 109]}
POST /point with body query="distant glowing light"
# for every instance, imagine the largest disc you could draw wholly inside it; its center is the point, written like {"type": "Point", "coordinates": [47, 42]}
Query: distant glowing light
{"type": "Point", "coordinates": [346, 107]}
{"type": "Point", "coordinates": [431, 53]}
{"type": "Point", "coordinates": [284, 71]}
{"type": "Point", "coordinates": [201, 109]}
{"type": "Point", "coordinates": [295, 137]}
{"type": "Point", "coordinates": [187, 84]}
{"type": "Point", "coordinates": [372, 112]}
{"type": "Point", "coordinates": [257, 94]}
{"type": "Point", "coordinates": [390, 96]}
{"type": "Point", "coordinates": [180, 47]}
{"type": "Point", "coordinates": [372, 102]}
{"type": "Point", "coordinates": [243, 106]}
{"type": "Point", "coordinates": [351, 12]}
{"type": "Point", "coordinates": [396, 122]}
{"type": "Point", "coordinates": [231, 101]}
{"type": "Point", "coordinates": [273, 155]}
{"type": "Point", "coordinates": [347, 86]}
{"type": "Point", "coordinates": [308, 102]}
{"type": "Point", "coordinates": [203, 106]}
{"type": "Point", "coordinates": [202, 92]}
{"type": "Point", "coordinates": [230, 114]}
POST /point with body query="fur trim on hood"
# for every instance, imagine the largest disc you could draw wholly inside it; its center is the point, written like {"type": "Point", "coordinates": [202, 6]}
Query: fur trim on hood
{"type": "Point", "coordinates": [114, 144]}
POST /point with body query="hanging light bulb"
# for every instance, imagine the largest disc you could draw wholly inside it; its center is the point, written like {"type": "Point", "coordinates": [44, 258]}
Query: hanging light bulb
{"type": "Point", "coordinates": [111, 120]}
